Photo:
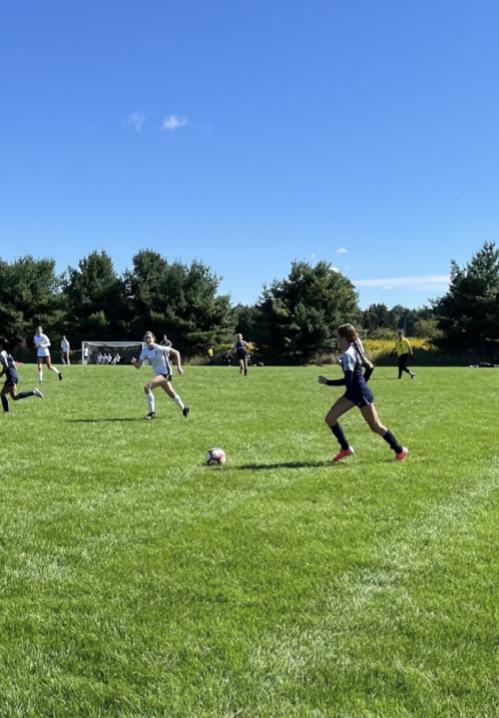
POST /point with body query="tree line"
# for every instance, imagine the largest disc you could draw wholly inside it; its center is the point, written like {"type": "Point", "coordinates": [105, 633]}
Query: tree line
{"type": "Point", "coordinates": [293, 320]}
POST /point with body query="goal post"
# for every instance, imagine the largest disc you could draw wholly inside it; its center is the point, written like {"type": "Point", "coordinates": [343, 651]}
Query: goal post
{"type": "Point", "coordinates": [98, 352]}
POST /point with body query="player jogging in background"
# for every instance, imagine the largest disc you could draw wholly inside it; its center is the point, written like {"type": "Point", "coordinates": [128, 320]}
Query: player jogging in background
{"type": "Point", "coordinates": [65, 351]}
{"type": "Point", "coordinates": [42, 343]}
{"type": "Point", "coordinates": [8, 369]}
{"type": "Point", "coordinates": [403, 350]}
{"type": "Point", "coordinates": [357, 394]}
{"type": "Point", "coordinates": [158, 357]}
{"type": "Point", "coordinates": [241, 349]}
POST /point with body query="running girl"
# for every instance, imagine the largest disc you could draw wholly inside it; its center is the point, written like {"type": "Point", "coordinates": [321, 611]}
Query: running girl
{"type": "Point", "coordinates": [158, 357]}
{"type": "Point", "coordinates": [8, 369]}
{"type": "Point", "coordinates": [241, 349]}
{"type": "Point", "coordinates": [42, 343]}
{"type": "Point", "coordinates": [357, 394]}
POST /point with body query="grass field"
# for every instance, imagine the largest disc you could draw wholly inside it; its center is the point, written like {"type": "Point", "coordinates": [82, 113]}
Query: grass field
{"type": "Point", "coordinates": [135, 581]}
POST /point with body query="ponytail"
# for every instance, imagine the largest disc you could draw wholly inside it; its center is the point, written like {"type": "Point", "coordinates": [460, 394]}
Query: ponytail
{"type": "Point", "coordinates": [360, 351]}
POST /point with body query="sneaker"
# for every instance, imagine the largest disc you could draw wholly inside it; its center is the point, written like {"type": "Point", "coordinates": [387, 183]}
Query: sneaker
{"type": "Point", "coordinates": [185, 411]}
{"type": "Point", "coordinates": [401, 456]}
{"type": "Point", "coordinates": [150, 415]}
{"type": "Point", "coordinates": [413, 375]}
{"type": "Point", "coordinates": [60, 376]}
{"type": "Point", "coordinates": [343, 454]}
{"type": "Point", "coordinates": [38, 393]}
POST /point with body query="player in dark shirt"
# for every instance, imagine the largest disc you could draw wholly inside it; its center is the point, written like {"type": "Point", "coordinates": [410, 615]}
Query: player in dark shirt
{"type": "Point", "coordinates": [357, 394]}
{"type": "Point", "coordinates": [9, 371]}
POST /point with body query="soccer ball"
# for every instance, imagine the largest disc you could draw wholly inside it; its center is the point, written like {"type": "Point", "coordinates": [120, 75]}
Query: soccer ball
{"type": "Point", "coordinates": [215, 457]}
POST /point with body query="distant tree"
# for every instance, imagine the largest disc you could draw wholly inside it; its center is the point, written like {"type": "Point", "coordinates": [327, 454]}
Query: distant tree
{"type": "Point", "coordinates": [94, 297]}
{"type": "Point", "coordinates": [376, 316]}
{"type": "Point", "coordinates": [29, 295]}
{"type": "Point", "coordinates": [427, 329]}
{"type": "Point", "coordinates": [468, 314]}
{"type": "Point", "coordinates": [245, 320]}
{"type": "Point", "coordinates": [297, 316]}
{"type": "Point", "coordinates": [179, 300]}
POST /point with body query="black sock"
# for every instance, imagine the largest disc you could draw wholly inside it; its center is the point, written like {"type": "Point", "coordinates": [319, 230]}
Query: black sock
{"type": "Point", "coordinates": [25, 394]}
{"type": "Point", "coordinates": [390, 439]}
{"type": "Point", "coordinates": [338, 432]}
{"type": "Point", "coordinates": [5, 403]}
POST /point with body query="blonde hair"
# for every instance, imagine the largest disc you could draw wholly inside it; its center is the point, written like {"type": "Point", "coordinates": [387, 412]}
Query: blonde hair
{"type": "Point", "coordinates": [348, 332]}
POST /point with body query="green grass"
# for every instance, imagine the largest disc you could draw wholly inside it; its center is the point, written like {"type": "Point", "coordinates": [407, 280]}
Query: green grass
{"type": "Point", "coordinates": [135, 581]}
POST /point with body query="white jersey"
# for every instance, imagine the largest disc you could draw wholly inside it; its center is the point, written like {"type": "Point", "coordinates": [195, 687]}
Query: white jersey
{"type": "Point", "coordinates": [64, 345]}
{"type": "Point", "coordinates": [158, 357]}
{"type": "Point", "coordinates": [42, 343]}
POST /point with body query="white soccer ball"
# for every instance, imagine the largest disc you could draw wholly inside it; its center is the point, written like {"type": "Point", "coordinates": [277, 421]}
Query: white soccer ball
{"type": "Point", "coordinates": [215, 457]}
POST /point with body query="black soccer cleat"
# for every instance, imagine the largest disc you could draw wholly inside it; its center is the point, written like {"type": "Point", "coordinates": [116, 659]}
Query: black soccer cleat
{"type": "Point", "coordinates": [185, 411]}
{"type": "Point", "coordinates": [150, 415]}
{"type": "Point", "coordinates": [60, 376]}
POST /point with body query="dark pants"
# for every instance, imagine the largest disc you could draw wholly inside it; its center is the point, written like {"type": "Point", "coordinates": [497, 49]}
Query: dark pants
{"type": "Point", "coordinates": [403, 361]}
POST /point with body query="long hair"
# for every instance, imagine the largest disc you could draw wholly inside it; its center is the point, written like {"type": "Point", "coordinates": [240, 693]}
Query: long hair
{"type": "Point", "coordinates": [348, 332]}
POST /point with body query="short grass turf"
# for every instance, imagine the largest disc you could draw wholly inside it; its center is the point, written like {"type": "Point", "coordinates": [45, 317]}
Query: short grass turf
{"type": "Point", "coordinates": [136, 581]}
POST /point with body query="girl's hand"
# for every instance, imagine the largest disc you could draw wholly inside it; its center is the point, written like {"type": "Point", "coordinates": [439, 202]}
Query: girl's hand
{"type": "Point", "coordinates": [133, 360]}
{"type": "Point", "coordinates": [323, 380]}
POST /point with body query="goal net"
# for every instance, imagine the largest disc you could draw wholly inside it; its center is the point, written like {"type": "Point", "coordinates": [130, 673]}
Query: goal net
{"type": "Point", "coordinates": [109, 352]}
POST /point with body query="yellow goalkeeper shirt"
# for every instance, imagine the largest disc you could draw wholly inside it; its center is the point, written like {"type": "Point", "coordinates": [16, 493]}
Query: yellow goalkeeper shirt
{"type": "Point", "coordinates": [402, 346]}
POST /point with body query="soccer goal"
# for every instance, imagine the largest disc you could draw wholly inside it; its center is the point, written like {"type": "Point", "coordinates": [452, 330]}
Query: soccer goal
{"type": "Point", "coordinates": [109, 352]}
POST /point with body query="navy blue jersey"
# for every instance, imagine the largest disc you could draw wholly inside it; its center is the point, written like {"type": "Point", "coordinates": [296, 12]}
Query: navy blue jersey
{"type": "Point", "coordinates": [9, 366]}
{"type": "Point", "coordinates": [357, 390]}
{"type": "Point", "coordinates": [241, 349]}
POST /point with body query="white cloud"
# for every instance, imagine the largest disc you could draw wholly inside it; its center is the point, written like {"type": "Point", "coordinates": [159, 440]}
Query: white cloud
{"type": "Point", "coordinates": [172, 123]}
{"type": "Point", "coordinates": [431, 282]}
{"type": "Point", "coordinates": [136, 121]}
{"type": "Point", "coordinates": [342, 250]}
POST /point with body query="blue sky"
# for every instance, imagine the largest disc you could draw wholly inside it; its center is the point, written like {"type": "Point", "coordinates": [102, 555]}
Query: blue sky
{"type": "Point", "coordinates": [252, 134]}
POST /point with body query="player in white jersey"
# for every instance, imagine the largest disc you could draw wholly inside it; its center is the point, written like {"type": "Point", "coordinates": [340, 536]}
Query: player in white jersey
{"type": "Point", "coordinates": [42, 343]}
{"type": "Point", "coordinates": [65, 347]}
{"type": "Point", "coordinates": [158, 357]}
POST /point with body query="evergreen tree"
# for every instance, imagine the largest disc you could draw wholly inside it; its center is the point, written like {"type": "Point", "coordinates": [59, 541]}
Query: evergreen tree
{"type": "Point", "coordinates": [179, 300]}
{"type": "Point", "coordinates": [94, 296]}
{"type": "Point", "coordinates": [29, 295]}
{"type": "Point", "coordinates": [468, 314]}
{"type": "Point", "coordinates": [298, 315]}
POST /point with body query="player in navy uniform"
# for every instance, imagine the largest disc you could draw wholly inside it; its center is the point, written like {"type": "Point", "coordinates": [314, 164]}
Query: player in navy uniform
{"type": "Point", "coordinates": [357, 393]}
{"type": "Point", "coordinates": [157, 356]}
{"type": "Point", "coordinates": [241, 349]}
{"type": "Point", "coordinates": [8, 369]}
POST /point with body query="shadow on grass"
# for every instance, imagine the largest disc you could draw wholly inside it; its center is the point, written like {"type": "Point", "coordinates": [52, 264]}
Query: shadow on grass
{"type": "Point", "coordinates": [283, 465]}
{"type": "Point", "coordinates": [98, 421]}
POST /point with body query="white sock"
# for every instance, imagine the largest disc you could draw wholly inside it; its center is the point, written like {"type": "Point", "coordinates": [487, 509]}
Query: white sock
{"type": "Point", "coordinates": [40, 374]}
{"type": "Point", "coordinates": [56, 370]}
{"type": "Point", "coordinates": [178, 401]}
{"type": "Point", "coordinates": [151, 402]}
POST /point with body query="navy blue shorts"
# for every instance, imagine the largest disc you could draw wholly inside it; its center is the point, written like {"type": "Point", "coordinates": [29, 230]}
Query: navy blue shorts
{"type": "Point", "coordinates": [11, 379]}
{"type": "Point", "coordinates": [241, 354]}
{"type": "Point", "coordinates": [360, 399]}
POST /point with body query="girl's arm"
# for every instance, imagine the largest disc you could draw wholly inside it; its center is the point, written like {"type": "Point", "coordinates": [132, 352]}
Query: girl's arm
{"type": "Point", "coordinates": [334, 382]}
{"type": "Point", "coordinates": [136, 362]}
{"type": "Point", "coordinates": [176, 356]}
